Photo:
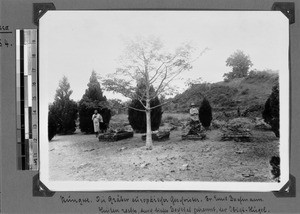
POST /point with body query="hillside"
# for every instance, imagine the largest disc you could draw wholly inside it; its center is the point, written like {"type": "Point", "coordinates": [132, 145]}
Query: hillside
{"type": "Point", "coordinates": [246, 96]}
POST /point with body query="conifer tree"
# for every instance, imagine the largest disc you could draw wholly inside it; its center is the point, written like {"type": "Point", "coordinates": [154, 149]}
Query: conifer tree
{"type": "Point", "coordinates": [271, 111]}
{"type": "Point", "coordinates": [92, 100]}
{"type": "Point", "coordinates": [63, 111]}
{"type": "Point", "coordinates": [205, 113]}
{"type": "Point", "coordinates": [52, 126]}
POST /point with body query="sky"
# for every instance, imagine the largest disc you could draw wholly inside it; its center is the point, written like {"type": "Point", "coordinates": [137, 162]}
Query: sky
{"type": "Point", "coordinates": [74, 43]}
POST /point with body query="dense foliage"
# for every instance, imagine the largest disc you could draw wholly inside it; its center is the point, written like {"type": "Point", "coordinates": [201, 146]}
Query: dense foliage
{"type": "Point", "coordinates": [92, 100]}
{"type": "Point", "coordinates": [52, 127]}
{"type": "Point", "coordinates": [137, 119]}
{"type": "Point", "coordinates": [271, 111]}
{"type": "Point", "coordinates": [240, 64]}
{"type": "Point", "coordinates": [116, 106]}
{"type": "Point", "coordinates": [205, 113]}
{"type": "Point", "coordinates": [63, 111]}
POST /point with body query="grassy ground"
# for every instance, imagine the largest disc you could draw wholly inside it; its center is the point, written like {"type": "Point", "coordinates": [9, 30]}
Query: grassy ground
{"type": "Point", "coordinates": [83, 157]}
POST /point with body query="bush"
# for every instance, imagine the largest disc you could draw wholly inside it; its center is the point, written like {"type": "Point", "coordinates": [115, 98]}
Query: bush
{"type": "Point", "coordinates": [86, 110]}
{"type": "Point", "coordinates": [240, 122]}
{"type": "Point", "coordinates": [63, 114]}
{"type": "Point", "coordinates": [253, 110]}
{"type": "Point", "coordinates": [271, 111]}
{"type": "Point", "coordinates": [52, 127]}
{"type": "Point", "coordinates": [172, 120]}
{"type": "Point", "coordinates": [205, 113]}
{"type": "Point", "coordinates": [218, 124]}
{"type": "Point", "coordinates": [106, 115]}
{"type": "Point", "coordinates": [137, 119]}
{"type": "Point", "coordinates": [85, 117]}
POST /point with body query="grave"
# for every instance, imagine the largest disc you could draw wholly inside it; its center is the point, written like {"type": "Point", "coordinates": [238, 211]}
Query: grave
{"type": "Point", "coordinates": [115, 135]}
{"type": "Point", "coordinates": [238, 130]}
{"type": "Point", "coordinates": [159, 136]}
{"type": "Point", "coordinates": [193, 131]}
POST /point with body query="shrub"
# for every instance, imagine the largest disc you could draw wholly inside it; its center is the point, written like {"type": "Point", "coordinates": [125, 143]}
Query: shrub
{"type": "Point", "coordinates": [240, 122]}
{"type": "Point", "coordinates": [137, 119]}
{"type": "Point", "coordinates": [271, 111]}
{"type": "Point", "coordinates": [253, 111]}
{"type": "Point", "coordinates": [205, 113]}
{"type": "Point", "coordinates": [218, 124]}
{"type": "Point", "coordinates": [106, 115]}
{"type": "Point", "coordinates": [65, 117]}
{"type": "Point", "coordinates": [85, 114]}
{"type": "Point", "coordinates": [52, 127]}
{"type": "Point", "coordinates": [86, 110]}
{"type": "Point", "coordinates": [172, 120]}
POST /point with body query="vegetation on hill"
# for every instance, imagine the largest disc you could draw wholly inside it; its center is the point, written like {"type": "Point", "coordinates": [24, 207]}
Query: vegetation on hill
{"type": "Point", "coordinates": [245, 96]}
{"type": "Point", "coordinates": [240, 64]}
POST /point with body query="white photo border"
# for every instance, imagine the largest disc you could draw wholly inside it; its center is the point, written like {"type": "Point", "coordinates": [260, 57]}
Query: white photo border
{"type": "Point", "coordinates": [284, 84]}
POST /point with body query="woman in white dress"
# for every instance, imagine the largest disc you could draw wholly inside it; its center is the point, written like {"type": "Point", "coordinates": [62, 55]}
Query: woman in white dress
{"type": "Point", "coordinates": [96, 118]}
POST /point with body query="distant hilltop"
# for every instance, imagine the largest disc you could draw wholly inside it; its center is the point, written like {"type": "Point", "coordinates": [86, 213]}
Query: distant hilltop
{"type": "Point", "coordinates": [246, 95]}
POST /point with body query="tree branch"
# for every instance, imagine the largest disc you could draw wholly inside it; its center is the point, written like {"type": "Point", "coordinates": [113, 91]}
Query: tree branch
{"type": "Point", "coordinates": [160, 105]}
{"type": "Point", "coordinates": [136, 109]}
{"type": "Point", "coordinates": [161, 82]}
{"type": "Point", "coordinates": [159, 90]}
{"type": "Point", "coordinates": [156, 72]}
{"type": "Point", "coordinates": [142, 103]}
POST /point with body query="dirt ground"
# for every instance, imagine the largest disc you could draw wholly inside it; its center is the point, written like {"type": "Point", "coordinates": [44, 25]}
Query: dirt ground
{"type": "Point", "coordinates": [80, 157]}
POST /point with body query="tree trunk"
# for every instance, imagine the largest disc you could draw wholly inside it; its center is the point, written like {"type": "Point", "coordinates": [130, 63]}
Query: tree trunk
{"type": "Point", "coordinates": [149, 143]}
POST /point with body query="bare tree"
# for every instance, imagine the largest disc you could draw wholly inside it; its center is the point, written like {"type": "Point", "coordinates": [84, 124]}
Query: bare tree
{"type": "Point", "coordinates": [145, 60]}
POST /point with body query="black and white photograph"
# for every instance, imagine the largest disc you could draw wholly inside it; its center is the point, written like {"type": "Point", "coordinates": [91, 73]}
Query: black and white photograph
{"type": "Point", "coordinates": [164, 100]}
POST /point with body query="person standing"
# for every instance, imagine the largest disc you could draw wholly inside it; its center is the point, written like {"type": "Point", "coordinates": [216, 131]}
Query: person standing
{"type": "Point", "coordinates": [194, 113]}
{"type": "Point", "coordinates": [194, 120]}
{"type": "Point", "coordinates": [97, 119]}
